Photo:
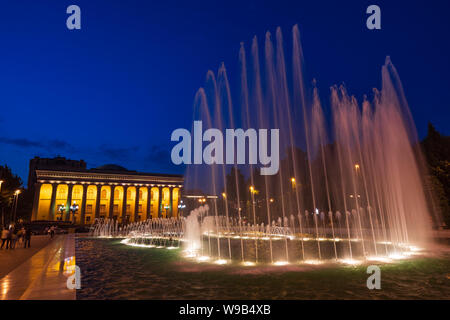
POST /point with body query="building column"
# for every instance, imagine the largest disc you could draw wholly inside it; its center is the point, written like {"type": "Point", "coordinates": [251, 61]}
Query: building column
{"type": "Point", "coordinates": [97, 201]}
{"type": "Point", "coordinates": [171, 201]}
{"type": "Point", "coordinates": [51, 211]}
{"type": "Point", "coordinates": [69, 202]}
{"type": "Point", "coordinates": [83, 204]}
{"type": "Point", "coordinates": [124, 205]}
{"type": "Point", "coordinates": [159, 202]}
{"type": "Point", "coordinates": [149, 201]}
{"type": "Point", "coordinates": [37, 194]}
{"type": "Point", "coordinates": [111, 201]}
{"type": "Point", "coordinates": [136, 204]}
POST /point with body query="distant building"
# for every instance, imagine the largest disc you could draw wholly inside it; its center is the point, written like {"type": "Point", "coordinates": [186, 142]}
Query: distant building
{"type": "Point", "coordinates": [108, 191]}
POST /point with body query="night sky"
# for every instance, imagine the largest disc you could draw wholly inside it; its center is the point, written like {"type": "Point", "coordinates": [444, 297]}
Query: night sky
{"type": "Point", "coordinates": [114, 91]}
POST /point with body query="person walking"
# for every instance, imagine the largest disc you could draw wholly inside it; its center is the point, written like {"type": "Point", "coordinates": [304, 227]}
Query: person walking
{"type": "Point", "coordinates": [20, 236]}
{"type": "Point", "coordinates": [8, 239]}
{"type": "Point", "coordinates": [52, 232]}
{"type": "Point", "coordinates": [27, 237]}
{"type": "Point", "coordinates": [5, 233]}
{"type": "Point", "coordinates": [13, 240]}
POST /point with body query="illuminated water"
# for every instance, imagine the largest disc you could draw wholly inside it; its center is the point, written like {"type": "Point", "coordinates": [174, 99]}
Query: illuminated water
{"type": "Point", "coordinates": [111, 270]}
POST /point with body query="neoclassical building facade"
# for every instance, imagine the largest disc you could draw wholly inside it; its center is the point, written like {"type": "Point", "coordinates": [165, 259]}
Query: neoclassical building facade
{"type": "Point", "coordinates": [66, 191]}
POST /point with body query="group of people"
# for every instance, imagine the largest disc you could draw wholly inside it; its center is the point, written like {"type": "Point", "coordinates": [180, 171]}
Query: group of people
{"type": "Point", "coordinates": [12, 236]}
{"type": "Point", "coordinates": [50, 231]}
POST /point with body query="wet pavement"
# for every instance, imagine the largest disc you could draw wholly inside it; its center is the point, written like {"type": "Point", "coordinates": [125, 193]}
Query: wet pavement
{"type": "Point", "coordinates": [43, 276]}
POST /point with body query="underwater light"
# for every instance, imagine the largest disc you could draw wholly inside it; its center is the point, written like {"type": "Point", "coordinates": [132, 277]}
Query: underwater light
{"type": "Point", "coordinates": [203, 258]}
{"type": "Point", "coordinates": [281, 263]}
{"type": "Point", "coordinates": [397, 256]}
{"type": "Point", "coordinates": [352, 262]}
{"type": "Point", "coordinates": [171, 248]}
{"type": "Point", "coordinates": [221, 261]}
{"type": "Point", "coordinates": [313, 261]}
{"type": "Point", "coordinates": [248, 263]}
{"type": "Point", "coordinates": [380, 259]}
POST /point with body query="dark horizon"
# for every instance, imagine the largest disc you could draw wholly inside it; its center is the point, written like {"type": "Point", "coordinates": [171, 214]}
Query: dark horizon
{"type": "Point", "coordinates": [112, 92]}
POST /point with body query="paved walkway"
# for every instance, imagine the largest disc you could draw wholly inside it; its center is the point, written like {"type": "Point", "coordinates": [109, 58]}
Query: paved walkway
{"type": "Point", "coordinates": [10, 259]}
{"type": "Point", "coordinates": [42, 276]}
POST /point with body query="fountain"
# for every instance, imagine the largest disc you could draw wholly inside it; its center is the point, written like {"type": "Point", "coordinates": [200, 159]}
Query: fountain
{"type": "Point", "coordinates": [355, 194]}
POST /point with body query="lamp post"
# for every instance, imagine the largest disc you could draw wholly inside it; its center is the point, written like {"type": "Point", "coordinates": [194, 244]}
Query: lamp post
{"type": "Point", "coordinates": [61, 210]}
{"type": "Point", "coordinates": [166, 207]}
{"type": "Point", "coordinates": [16, 199]}
{"type": "Point", "coordinates": [73, 209]}
{"type": "Point", "coordinates": [181, 206]}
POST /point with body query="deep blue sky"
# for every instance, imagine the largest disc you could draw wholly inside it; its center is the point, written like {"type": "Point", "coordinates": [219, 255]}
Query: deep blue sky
{"type": "Point", "coordinates": [114, 91]}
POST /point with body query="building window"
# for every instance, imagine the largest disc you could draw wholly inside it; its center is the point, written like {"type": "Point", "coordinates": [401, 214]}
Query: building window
{"type": "Point", "coordinates": [76, 194]}
{"type": "Point", "coordinates": [61, 193]}
{"type": "Point", "coordinates": [116, 194]}
{"type": "Point", "coordinates": [88, 219]}
{"type": "Point", "coordinates": [116, 208]}
{"type": "Point", "coordinates": [128, 208]}
{"type": "Point", "coordinates": [140, 208]}
{"type": "Point", "coordinates": [89, 208]}
{"type": "Point", "coordinates": [90, 194]}
{"type": "Point", "coordinates": [129, 193]}
{"type": "Point", "coordinates": [102, 208]}
{"type": "Point", "coordinates": [140, 194]}
{"type": "Point", "coordinates": [104, 194]}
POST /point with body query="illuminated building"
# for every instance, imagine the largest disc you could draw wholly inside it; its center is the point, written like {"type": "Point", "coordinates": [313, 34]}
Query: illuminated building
{"type": "Point", "coordinates": [60, 183]}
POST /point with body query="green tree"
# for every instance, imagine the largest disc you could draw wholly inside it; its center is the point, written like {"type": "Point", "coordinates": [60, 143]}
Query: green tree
{"type": "Point", "coordinates": [10, 183]}
{"type": "Point", "coordinates": [436, 148]}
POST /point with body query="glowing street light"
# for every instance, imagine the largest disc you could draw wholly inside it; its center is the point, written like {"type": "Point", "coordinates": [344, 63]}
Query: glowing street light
{"type": "Point", "coordinates": [224, 195]}
{"type": "Point", "coordinates": [1, 181]}
{"type": "Point", "coordinates": [356, 167]}
{"type": "Point", "coordinates": [61, 210]}
{"type": "Point", "coordinates": [293, 182]}
{"type": "Point", "coordinates": [73, 208]}
{"type": "Point", "coordinates": [271, 200]}
{"type": "Point", "coordinates": [16, 199]}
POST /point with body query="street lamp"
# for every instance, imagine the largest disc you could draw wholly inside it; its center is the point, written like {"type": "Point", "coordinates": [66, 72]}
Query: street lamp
{"type": "Point", "coordinates": [73, 209]}
{"type": "Point", "coordinates": [181, 206]}
{"type": "Point", "coordinates": [1, 181]}
{"type": "Point", "coordinates": [16, 199]}
{"type": "Point", "coordinates": [166, 207]}
{"type": "Point", "coordinates": [61, 210]}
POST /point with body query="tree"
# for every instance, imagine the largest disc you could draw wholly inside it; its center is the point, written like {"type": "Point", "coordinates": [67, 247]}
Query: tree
{"type": "Point", "coordinates": [10, 184]}
{"type": "Point", "coordinates": [436, 148]}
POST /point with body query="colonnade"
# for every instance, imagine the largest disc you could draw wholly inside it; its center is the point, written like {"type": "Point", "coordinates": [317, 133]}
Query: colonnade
{"type": "Point", "coordinates": [83, 202]}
